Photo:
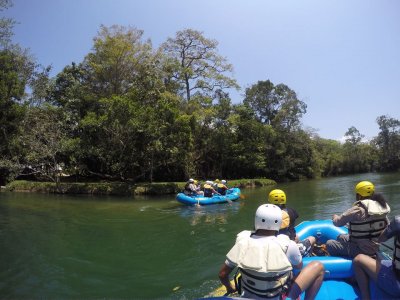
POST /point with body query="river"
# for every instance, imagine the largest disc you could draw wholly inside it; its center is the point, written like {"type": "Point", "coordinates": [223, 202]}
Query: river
{"type": "Point", "coordinates": [59, 246]}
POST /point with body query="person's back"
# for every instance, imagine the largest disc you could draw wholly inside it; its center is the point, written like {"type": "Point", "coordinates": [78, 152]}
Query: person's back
{"type": "Point", "coordinates": [189, 188]}
{"type": "Point", "coordinates": [265, 262]}
{"type": "Point", "coordinates": [208, 189]}
{"type": "Point", "coordinates": [269, 276]}
{"type": "Point", "coordinates": [367, 218]}
{"type": "Point", "coordinates": [222, 188]}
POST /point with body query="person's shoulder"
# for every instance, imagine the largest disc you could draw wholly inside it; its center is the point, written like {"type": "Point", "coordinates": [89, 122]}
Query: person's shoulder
{"type": "Point", "coordinates": [292, 210]}
{"type": "Point", "coordinates": [243, 235]}
{"type": "Point", "coordinates": [283, 239]}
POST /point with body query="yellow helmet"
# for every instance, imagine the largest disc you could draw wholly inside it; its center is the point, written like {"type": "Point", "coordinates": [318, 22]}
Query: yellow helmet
{"type": "Point", "coordinates": [277, 197]}
{"type": "Point", "coordinates": [365, 188]}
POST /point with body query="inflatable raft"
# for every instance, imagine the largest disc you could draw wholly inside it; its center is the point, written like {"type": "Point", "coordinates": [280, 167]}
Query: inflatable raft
{"type": "Point", "coordinates": [232, 194]}
{"type": "Point", "coordinates": [338, 282]}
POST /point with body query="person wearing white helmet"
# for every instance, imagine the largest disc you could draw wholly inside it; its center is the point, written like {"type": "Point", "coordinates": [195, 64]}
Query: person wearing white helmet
{"type": "Point", "coordinates": [366, 219]}
{"type": "Point", "coordinates": [221, 187]}
{"type": "Point", "coordinates": [266, 261]}
{"type": "Point", "coordinates": [190, 188]}
{"type": "Point", "coordinates": [208, 189]}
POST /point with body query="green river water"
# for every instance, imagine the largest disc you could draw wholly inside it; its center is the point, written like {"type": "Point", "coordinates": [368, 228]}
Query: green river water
{"type": "Point", "coordinates": [70, 247]}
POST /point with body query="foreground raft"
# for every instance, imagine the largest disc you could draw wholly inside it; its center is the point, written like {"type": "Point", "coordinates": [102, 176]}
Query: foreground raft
{"type": "Point", "coordinates": [339, 280]}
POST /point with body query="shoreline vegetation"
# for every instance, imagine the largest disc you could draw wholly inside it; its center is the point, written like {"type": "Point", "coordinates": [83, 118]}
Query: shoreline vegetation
{"type": "Point", "coordinates": [119, 188]}
{"type": "Point", "coordinates": [163, 114]}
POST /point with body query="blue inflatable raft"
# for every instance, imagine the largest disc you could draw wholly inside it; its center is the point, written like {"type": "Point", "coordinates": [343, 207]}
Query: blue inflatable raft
{"type": "Point", "coordinates": [338, 283]}
{"type": "Point", "coordinates": [232, 194]}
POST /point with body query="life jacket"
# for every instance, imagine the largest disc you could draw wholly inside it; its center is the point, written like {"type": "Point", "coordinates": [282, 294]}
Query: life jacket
{"type": "Point", "coordinates": [208, 190]}
{"type": "Point", "coordinates": [264, 267]}
{"type": "Point", "coordinates": [221, 188]}
{"type": "Point", "coordinates": [186, 189]}
{"type": "Point", "coordinates": [285, 219]}
{"type": "Point", "coordinates": [375, 223]}
{"type": "Point", "coordinates": [289, 216]}
{"type": "Point", "coordinates": [396, 256]}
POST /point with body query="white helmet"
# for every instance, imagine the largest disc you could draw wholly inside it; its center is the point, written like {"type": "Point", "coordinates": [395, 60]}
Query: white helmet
{"type": "Point", "coordinates": [209, 182]}
{"type": "Point", "coordinates": [191, 180]}
{"type": "Point", "coordinates": [223, 181]}
{"type": "Point", "coordinates": [269, 217]}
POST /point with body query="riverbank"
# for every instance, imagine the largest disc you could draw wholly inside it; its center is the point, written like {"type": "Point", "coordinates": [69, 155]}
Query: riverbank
{"type": "Point", "coordinates": [119, 188]}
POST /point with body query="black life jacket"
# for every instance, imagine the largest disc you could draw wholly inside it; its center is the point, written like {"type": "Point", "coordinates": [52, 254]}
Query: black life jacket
{"type": "Point", "coordinates": [373, 226]}
{"type": "Point", "coordinates": [221, 188]}
{"type": "Point", "coordinates": [208, 190]}
{"type": "Point", "coordinates": [396, 256]}
{"type": "Point", "coordinates": [289, 216]}
{"type": "Point", "coordinates": [187, 187]}
{"type": "Point", "coordinates": [187, 190]}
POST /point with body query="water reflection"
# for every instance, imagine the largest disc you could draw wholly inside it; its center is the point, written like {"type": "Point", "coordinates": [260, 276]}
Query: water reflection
{"type": "Point", "coordinates": [210, 214]}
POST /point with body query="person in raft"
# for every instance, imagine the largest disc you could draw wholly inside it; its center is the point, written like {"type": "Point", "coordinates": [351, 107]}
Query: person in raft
{"type": "Point", "coordinates": [289, 216]}
{"type": "Point", "coordinates": [208, 189]}
{"type": "Point", "coordinates": [222, 187]}
{"type": "Point", "coordinates": [386, 273]}
{"type": "Point", "coordinates": [266, 260]}
{"type": "Point", "coordinates": [367, 218]}
{"type": "Point", "coordinates": [190, 188]}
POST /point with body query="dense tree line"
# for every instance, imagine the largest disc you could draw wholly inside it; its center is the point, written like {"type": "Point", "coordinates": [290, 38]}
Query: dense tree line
{"type": "Point", "coordinates": [133, 112]}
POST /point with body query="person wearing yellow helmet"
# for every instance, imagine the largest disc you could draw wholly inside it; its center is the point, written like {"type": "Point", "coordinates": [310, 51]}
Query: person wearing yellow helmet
{"type": "Point", "coordinates": [289, 215]}
{"type": "Point", "coordinates": [366, 219]}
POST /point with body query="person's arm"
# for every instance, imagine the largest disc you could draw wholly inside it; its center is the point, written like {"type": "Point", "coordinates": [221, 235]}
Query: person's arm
{"type": "Point", "coordinates": [224, 278]}
{"type": "Point", "coordinates": [298, 266]}
{"type": "Point", "coordinates": [354, 213]}
{"type": "Point", "coordinates": [392, 229]}
{"type": "Point", "coordinates": [294, 255]}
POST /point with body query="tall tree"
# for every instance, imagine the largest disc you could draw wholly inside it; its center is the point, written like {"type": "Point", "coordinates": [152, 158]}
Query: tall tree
{"type": "Point", "coordinates": [16, 71]}
{"type": "Point", "coordinates": [118, 60]}
{"type": "Point", "coordinates": [388, 143]}
{"type": "Point", "coordinates": [247, 155]}
{"type": "Point", "coordinates": [197, 65]}
{"type": "Point", "coordinates": [6, 24]}
{"type": "Point", "coordinates": [44, 134]}
{"type": "Point", "coordinates": [329, 153]}
{"type": "Point", "coordinates": [275, 105]}
{"type": "Point", "coordinates": [358, 155]}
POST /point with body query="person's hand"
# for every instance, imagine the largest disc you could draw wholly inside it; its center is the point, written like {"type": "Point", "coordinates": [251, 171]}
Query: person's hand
{"type": "Point", "coordinates": [392, 229]}
{"type": "Point", "coordinates": [335, 216]}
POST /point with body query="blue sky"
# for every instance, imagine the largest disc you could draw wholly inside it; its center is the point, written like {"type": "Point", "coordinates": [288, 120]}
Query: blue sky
{"type": "Point", "coordinates": [341, 57]}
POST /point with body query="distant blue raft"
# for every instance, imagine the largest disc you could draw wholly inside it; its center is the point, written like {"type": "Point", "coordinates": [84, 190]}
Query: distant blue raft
{"type": "Point", "coordinates": [232, 194]}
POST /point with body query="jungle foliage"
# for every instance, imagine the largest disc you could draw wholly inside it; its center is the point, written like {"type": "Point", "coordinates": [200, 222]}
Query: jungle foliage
{"type": "Point", "coordinates": [131, 112]}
